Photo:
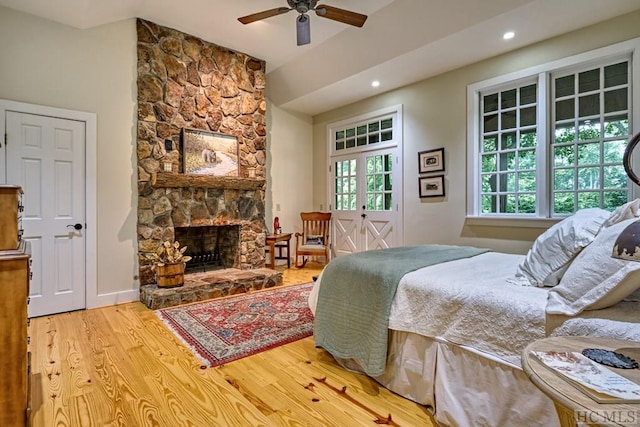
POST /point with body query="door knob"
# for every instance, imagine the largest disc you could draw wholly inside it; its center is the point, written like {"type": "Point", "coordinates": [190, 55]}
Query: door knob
{"type": "Point", "coordinates": [76, 226]}
{"type": "Point", "coordinates": [364, 215]}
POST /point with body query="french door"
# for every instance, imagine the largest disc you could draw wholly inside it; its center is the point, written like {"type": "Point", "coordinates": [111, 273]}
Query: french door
{"type": "Point", "coordinates": [365, 181]}
{"type": "Point", "coordinates": [365, 201]}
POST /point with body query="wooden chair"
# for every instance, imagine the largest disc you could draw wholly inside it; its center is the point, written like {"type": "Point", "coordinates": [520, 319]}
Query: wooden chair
{"type": "Point", "coordinates": [314, 239]}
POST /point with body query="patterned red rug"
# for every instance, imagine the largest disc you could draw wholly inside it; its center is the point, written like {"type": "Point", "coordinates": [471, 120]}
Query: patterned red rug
{"type": "Point", "coordinates": [223, 330]}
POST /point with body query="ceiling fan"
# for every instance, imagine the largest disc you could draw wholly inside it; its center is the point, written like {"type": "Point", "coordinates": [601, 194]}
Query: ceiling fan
{"type": "Point", "coordinates": [302, 22]}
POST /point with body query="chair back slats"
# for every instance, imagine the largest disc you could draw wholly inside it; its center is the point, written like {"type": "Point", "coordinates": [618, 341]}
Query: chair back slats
{"type": "Point", "coordinates": [315, 225]}
{"type": "Point", "coordinates": [313, 228]}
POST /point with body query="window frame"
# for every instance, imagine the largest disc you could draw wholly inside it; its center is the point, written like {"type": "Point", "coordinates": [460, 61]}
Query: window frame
{"type": "Point", "coordinates": [395, 112]}
{"type": "Point", "coordinates": [584, 117]}
{"type": "Point", "coordinates": [541, 74]}
{"type": "Point", "coordinates": [541, 149]}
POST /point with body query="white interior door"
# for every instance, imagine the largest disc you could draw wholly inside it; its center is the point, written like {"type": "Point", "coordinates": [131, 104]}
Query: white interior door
{"type": "Point", "coordinates": [45, 156]}
{"type": "Point", "coordinates": [366, 198]}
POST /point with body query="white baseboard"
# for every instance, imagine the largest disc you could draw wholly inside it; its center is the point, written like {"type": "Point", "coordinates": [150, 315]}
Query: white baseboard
{"type": "Point", "coordinates": [114, 298]}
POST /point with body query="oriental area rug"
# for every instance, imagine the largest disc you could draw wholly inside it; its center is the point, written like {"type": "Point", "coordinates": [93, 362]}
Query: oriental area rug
{"type": "Point", "coordinates": [222, 330]}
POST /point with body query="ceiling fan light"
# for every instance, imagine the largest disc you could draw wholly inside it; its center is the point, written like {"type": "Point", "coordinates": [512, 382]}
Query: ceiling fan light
{"type": "Point", "coordinates": [303, 29]}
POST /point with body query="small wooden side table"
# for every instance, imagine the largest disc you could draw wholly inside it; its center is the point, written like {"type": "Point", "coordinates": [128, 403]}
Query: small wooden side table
{"type": "Point", "coordinates": [571, 404]}
{"type": "Point", "coordinates": [271, 241]}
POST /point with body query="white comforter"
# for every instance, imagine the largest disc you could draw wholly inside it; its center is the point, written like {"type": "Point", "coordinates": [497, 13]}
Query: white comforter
{"type": "Point", "coordinates": [471, 303]}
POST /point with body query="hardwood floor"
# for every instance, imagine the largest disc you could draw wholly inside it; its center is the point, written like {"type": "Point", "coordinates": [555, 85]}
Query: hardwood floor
{"type": "Point", "coordinates": [120, 366]}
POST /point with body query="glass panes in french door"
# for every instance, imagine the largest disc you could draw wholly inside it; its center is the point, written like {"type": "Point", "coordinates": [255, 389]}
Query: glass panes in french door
{"type": "Point", "coordinates": [364, 201]}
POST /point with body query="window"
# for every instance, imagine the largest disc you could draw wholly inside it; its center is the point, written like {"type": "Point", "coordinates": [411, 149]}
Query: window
{"type": "Point", "coordinates": [509, 139]}
{"type": "Point", "coordinates": [591, 130]}
{"type": "Point", "coordinates": [550, 140]}
{"type": "Point", "coordinates": [363, 134]}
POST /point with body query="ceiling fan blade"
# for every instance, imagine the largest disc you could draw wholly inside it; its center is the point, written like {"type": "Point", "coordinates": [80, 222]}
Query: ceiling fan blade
{"type": "Point", "coordinates": [303, 29]}
{"type": "Point", "coordinates": [263, 15]}
{"type": "Point", "coordinates": [341, 15]}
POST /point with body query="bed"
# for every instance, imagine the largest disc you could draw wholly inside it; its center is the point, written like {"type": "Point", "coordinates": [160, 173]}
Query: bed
{"type": "Point", "coordinates": [455, 329]}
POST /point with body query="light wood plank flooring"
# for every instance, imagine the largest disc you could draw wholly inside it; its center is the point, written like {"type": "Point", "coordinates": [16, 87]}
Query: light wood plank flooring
{"type": "Point", "coordinates": [120, 366]}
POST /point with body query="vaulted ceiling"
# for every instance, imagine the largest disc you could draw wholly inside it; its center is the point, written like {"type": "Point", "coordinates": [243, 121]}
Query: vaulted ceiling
{"type": "Point", "coordinates": [402, 41]}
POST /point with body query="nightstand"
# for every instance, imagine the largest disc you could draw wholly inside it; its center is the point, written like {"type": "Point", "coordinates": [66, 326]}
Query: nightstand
{"type": "Point", "coordinates": [571, 404]}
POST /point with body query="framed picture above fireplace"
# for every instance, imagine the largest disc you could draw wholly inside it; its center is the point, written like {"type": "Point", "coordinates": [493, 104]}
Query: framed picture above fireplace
{"type": "Point", "coordinates": [209, 153]}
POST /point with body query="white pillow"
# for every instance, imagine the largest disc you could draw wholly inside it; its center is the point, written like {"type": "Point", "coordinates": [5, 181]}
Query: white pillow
{"type": "Point", "coordinates": [595, 280]}
{"type": "Point", "coordinates": [628, 210]}
{"type": "Point", "coordinates": [554, 249]}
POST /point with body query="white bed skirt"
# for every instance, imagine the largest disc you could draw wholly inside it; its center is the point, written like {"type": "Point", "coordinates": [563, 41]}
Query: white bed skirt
{"type": "Point", "coordinates": [462, 387]}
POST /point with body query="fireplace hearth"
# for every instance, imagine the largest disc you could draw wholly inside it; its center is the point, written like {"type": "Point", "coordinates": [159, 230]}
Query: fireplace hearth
{"type": "Point", "coordinates": [208, 285]}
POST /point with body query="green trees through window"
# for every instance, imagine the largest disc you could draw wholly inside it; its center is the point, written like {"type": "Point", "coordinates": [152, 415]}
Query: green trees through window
{"type": "Point", "coordinates": [379, 168]}
{"type": "Point", "coordinates": [591, 118]}
{"type": "Point", "coordinates": [579, 153]}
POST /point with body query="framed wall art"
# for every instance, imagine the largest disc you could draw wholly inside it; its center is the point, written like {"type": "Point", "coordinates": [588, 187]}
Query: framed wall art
{"type": "Point", "coordinates": [431, 186]}
{"type": "Point", "coordinates": [209, 153]}
{"type": "Point", "coordinates": [431, 161]}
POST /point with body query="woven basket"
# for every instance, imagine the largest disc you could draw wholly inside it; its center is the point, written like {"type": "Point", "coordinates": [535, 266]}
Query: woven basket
{"type": "Point", "coordinates": [170, 275]}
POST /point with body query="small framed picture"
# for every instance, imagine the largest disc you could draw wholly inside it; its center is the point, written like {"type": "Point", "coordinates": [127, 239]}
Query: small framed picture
{"type": "Point", "coordinates": [209, 153]}
{"type": "Point", "coordinates": [431, 161]}
{"type": "Point", "coordinates": [431, 186]}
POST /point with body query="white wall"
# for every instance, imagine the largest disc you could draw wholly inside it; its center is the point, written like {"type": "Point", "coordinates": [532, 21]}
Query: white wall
{"type": "Point", "coordinates": [94, 70]}
{"type": "Point", "coordinates": [435, 116]}
{"type": "Point", "coordinates": [290, 169]}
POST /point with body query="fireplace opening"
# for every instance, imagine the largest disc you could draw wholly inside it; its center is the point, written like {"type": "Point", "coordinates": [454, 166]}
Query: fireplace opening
{"type": "Point", "coordinates": [210, 247]}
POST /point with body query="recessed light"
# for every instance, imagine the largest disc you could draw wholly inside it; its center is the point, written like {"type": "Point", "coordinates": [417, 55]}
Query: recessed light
{"type": "Point", "coordinates": [508, 35]}
{"type": "Point", "coordinates": [375, 83]}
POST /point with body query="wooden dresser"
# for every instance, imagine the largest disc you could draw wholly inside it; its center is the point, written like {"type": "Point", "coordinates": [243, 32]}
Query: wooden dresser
{"type": "Point", "coordinates": [14, 284]}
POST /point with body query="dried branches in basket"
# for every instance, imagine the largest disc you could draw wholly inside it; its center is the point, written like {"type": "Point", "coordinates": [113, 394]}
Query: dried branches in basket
{"type": "Point", "coordinates": [169, 253]}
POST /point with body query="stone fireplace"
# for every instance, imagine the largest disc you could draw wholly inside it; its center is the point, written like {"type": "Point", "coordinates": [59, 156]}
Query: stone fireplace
{"type": "Point", "coordinates": [185, 82]}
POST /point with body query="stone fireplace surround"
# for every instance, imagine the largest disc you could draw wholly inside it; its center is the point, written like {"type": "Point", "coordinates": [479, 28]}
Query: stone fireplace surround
{"type": "Point", "coordinates": [180, 200]}
{"type": "Point", "coordinates": [186, 82]}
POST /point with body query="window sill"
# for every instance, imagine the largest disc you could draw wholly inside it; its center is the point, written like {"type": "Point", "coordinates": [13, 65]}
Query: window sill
{"type": "Point", "coordinates": [503, 221]}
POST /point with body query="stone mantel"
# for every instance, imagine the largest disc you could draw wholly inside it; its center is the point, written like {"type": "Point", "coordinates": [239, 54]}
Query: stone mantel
{"type": "Point", "coordinates": [178, 180]}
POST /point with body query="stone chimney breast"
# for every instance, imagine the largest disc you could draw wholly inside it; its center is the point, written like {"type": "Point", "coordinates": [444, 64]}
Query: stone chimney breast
{"type": "Point", "coordinates": [186, 82]}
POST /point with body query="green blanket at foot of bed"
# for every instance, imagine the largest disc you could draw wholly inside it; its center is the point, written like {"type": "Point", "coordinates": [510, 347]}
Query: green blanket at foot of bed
{"type": "Point", "coordinates": [355, 295]}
